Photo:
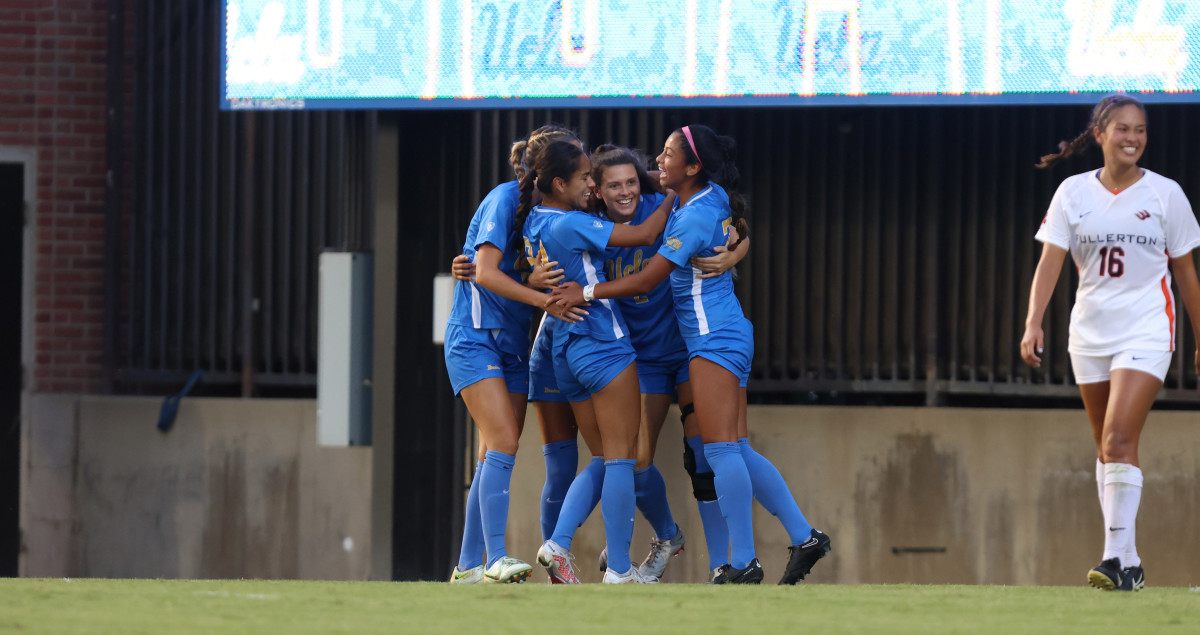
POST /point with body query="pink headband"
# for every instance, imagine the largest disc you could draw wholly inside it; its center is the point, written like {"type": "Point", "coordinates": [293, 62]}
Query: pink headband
{"type": "Point", "coordinates": [687, 133]}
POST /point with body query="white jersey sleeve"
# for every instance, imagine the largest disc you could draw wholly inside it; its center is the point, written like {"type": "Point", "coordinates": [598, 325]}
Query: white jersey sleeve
{"type": "Point", "coordinates": [1055, 229]}
{"type": "Point", "coordinates": [1179, 223]}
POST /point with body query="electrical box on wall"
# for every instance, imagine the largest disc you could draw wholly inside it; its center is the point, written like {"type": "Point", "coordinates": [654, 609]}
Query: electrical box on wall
{"type": "Point", "coordinates": [344, 348]}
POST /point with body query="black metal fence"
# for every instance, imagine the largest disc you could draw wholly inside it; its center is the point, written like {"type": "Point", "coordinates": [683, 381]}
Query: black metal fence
{"type": "Point", "coordinates": [892, 248]}
{"type": "Point", "coordinates": [230, 213]}
{"type": "Point", "coordinates": [891, 254]}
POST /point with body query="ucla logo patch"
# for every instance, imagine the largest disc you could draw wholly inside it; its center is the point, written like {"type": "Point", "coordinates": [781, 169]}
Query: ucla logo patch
{"type": "Point", "coordinates": [674, 243]}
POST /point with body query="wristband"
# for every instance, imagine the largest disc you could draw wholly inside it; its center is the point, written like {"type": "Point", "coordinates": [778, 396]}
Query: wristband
{"type": "Point", "coordinates": [589, 293]}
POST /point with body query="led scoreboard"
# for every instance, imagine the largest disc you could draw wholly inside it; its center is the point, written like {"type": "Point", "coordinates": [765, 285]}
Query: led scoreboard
{"type": "Point", "coordinates": [343, 54]}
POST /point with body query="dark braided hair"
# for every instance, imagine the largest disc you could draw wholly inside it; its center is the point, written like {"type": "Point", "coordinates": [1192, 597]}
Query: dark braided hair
{"type": "Point", "coordinates": [609, 155]}
{"type": "Point", "coordinates": [557, 160]}
{"type": "Point", "coordinates": [716, 158]}
{"type": "Point", "coordinates": [1102, 114]}
{"type": "Point", "coordinates": [522, 158]}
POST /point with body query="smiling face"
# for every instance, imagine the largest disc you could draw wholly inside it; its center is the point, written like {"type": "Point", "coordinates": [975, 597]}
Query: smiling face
{"type": "Point", "coordinates": [1123, 139]}
{"type": "Point", "coordinates": [575, 191]}
{"type": "Point", "coordinates": [620, 188]}
{"type": "Point", "coordinates": [672, 163]}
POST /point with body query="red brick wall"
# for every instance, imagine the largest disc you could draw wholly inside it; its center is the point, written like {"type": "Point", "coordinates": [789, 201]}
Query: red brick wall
{"type": "Point", "coordinates": [52, 99]}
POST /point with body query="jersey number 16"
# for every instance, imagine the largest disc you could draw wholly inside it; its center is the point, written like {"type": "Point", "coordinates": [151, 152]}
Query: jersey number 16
{"type": "Point", "coordinates": [1110, 260]}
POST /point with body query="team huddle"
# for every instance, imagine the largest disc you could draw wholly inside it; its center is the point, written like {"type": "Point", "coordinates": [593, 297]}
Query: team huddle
{"type": "Point", "coordinates": [619, 341]}
{"type": "Point", "coordinates": [634, 272]}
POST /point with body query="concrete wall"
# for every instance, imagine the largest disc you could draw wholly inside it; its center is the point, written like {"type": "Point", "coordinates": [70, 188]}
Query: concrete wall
{"type": "Point", "coordinates": [1010, 495]}
{"type": "Point", "coordinates": [237, 488]}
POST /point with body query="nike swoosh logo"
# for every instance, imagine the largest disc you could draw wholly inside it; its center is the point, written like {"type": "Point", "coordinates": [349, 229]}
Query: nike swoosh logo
{"type": "Point", "coordinates": [553, 502]}
{"type": "Point", "coordinates": [1085, 214]}
{"type": "Point", "coordinates": [1137, 358]}
{"type": "Point", "coordinates": [1116, 529]}
{"type": "Point", "coordinates": [811, 542]}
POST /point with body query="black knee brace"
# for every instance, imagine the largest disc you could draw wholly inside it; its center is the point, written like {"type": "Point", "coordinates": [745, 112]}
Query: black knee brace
{"type": "Point", "coordinates": [686, 410]}
{"type": "Point", "coordinates": [703, 487]}
{"type": "Point", "coordinates": [689, 459]}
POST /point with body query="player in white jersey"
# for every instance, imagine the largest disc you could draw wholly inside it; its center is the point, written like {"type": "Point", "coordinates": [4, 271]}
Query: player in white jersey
{"type": "Point", "coordinates": [1123, 226]}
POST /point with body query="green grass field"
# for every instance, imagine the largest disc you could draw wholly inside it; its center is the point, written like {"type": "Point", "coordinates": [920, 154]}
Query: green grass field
{"type": "Point", "coordinates": [258, 606]}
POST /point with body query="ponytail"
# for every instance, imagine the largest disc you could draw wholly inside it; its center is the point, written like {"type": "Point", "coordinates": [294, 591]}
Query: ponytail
{"type": "Point", "coordinates": [1101, 115]}
{"type": "Point", "coordinates": [524, 204]}
{"type": "Point", "coordinates": [517, 158]}
{"type": "Point", "coordinates": [717, 156]}
{"type": "Point", "coordinates": [523, 157]}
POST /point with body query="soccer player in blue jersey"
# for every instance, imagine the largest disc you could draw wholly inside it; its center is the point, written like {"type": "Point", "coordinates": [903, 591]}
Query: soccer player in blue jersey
{"type": "Point", "coordinates": [598, 358]}
{"type": "Point", "coordinates": [555, 419]}
{"type": "Point", "coordinates": [487, 344]}
{"type": "Point", "coordinates": [697, 163]}
{"type": "Point", "coordinates": [627, 193]}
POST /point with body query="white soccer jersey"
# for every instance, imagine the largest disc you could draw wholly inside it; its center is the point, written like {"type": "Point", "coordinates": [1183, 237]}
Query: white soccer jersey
{"type": "Point", "coordinates": [1121, 244]}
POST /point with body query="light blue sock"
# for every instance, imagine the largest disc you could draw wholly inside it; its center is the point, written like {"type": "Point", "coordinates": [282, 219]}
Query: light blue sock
{"type": "Point", "coordinates": [772, 491]}
{"type": "Point", "coordinates": [736, 496]}
{"type": "Point", "coordinates": [562, 459]}
{"type": "Point", "coordinates": [618, 502]}
{"type": "Point", "coordinates": [716, 533]}
{"type": "Point", "coordinates": [579, 502]}
{"type": "Point", "coordinates": [651, 493]}
{"type": "Point", "coordinates": [471, 553]}
{"type": "Point", "coordinates": [493, 498]}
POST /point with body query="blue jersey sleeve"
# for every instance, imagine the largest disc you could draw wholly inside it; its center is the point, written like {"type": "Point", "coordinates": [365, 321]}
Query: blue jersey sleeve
{"type": "Point", "coordinates": [688, 232]}
{"type": "Point", "coordinates": [496, 218]}
{"type": "Point", "coordinates": [583, 232]}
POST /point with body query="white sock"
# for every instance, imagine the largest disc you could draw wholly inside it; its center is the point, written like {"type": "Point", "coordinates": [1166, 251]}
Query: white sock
{"type": "Point", "coordinates": [1100, 483]}
{"type": "Point", "coordinates": [1122, 495]}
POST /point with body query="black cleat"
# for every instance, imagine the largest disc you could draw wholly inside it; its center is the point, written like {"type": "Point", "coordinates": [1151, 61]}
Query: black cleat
{"type": "Point", "coordinates": [1132, 579]}
{"type": "Point", "coordinates": [803, 556]}
{"type": "Point", "coordinates": [726, 574]}
{"type": "Point", "coordinates": [1107, 575]}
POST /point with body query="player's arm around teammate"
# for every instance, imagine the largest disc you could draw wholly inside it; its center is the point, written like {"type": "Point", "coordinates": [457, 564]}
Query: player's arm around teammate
{"type": "Point", "coordinates": [487, 344]}
{"type": "Point", "coordinates": [597, 352]}
{"type": "Point", "coordinates": [695, 162]}
{"type": "Point", "coordinates": [1122, 225]}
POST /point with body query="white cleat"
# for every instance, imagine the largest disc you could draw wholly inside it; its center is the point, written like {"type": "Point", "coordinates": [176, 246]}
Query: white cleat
{"type": "Point", "coordinates": [507, 570]}
{"type": "Point", "coordinates": [661, 551]}
{"type": "Point", "coordinates": [633, 576]}
{"type": "Point", "coordinates": [474, 575]}
{"type": "Point", "coordinates": [559, 563]}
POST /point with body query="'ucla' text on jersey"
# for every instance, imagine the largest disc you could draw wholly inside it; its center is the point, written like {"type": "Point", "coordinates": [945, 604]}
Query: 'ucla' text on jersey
{"type": "Point", "coordinates": [652, 336]}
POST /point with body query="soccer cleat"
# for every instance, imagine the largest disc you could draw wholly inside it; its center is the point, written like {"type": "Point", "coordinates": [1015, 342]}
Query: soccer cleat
{"type": "Point", "coordinates": [474, 575]}
{"type": "Point", "coordinates": [660, 552]}
{"type": "Point", "coordinates": [604, 559]}
{"type": "Point", "coordinates": [632, 576]}
{"type": "Point", "coordinates": [1107, 575]}
{"type": "Point", "coordinates": [726, 574]}
{"type": "Point", "coordinates": [559, 563]}
{"type": "Point", "coordinates": [1132, 579]}
{"type": "Point", "coordinates": [803, 556]}
{"type": "Point", "coordinates": [507, 570]}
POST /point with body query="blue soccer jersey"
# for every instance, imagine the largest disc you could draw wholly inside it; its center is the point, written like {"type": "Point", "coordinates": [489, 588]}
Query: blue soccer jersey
{"type": "Point", "coordinates": [653, 336]}
{"type": "Point", "coordinates": [477, 307]}
{"type": "Point", "coordinates": [701, 304]}
{"type": "Point", "coordinates": [576, 240]}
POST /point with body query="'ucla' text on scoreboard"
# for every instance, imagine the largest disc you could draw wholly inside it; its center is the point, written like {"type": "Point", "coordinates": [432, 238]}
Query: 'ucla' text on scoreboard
{"type": "Point", "coordinates": [578, 53]}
